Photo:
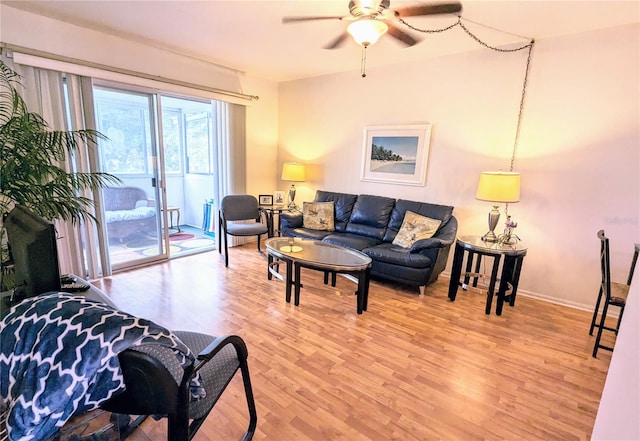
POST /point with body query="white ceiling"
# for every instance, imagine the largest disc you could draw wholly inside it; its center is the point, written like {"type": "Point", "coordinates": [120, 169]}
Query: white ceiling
{"type": "Point", "coordinates": [249, 35]}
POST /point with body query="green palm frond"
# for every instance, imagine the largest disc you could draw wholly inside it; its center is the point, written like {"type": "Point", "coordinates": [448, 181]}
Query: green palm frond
{"type": "Point", "coordinates": [32, 157]}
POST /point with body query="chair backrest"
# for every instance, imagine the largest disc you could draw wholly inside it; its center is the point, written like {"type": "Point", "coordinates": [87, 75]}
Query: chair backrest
{"type": "Point", "coordinates": [605, 265]}
{"type": "Point", "coordinates": [151, 388]}
{"type": "Point", "coordinates": [605, 268]}
{"type": "Point", "coordinates": [239, 207]}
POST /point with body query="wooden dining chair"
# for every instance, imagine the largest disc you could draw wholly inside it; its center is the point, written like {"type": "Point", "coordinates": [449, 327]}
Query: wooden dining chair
{"type": "Point", "coordinates": [610, 294]}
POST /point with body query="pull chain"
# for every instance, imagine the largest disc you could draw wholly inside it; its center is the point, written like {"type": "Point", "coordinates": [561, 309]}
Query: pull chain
{"type": "Point", "coordinates": [363, 62]}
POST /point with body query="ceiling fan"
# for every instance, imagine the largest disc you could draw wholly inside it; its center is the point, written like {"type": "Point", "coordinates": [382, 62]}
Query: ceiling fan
{"type": "Point", "coordinates": [370, 19]}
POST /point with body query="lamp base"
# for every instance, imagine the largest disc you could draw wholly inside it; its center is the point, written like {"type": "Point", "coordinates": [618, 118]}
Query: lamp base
{"type": "Point", "coordinates": [490, 237]}
{"type": "Point", "coordinates": [292, 196]}
{"type": "Point", "coordinates": [494, 217]}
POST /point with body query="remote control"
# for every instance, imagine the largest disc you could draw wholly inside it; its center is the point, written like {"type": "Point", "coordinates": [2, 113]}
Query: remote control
{"type": "Point", "coordinates": [74, 287]}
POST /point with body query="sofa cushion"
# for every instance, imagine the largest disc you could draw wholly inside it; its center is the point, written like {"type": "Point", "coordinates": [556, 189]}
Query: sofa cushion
{"type": "Point", "coordinates": [434, 211]}
{"type": "Point", "coordinates": [343, 206]}
{"type": "Point", "coordinates": [318, 215]}
{"type": "Point", "coordinates": [415, 227]}
{"type": "Point", "coordinates": [370, 216]}
{"type": "Point", "coordinates": [354, 241]}
{"type": "Point", "coordinates": [396, 255]}
{"type": "Point", "coordinates": [127, 215]}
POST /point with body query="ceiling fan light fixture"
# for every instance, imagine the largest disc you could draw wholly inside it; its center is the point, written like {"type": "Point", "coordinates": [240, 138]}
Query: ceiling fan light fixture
{"type": "Point", "coordinates": [366, 31]}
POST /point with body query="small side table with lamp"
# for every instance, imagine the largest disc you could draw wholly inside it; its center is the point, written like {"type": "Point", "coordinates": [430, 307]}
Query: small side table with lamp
{"type": "Point", "coordinates": [495, 187]}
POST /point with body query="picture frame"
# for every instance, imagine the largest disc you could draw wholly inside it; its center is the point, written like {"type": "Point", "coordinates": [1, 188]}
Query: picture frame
{"type": "Point", "coordinates": [279, 198]}
{"type": "Point", "coordinates": [265, 199]}
{"type": "Point", "coordinates": [396, 154]}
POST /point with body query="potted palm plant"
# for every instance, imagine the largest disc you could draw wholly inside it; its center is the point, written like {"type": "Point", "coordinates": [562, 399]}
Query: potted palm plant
{"type": "Point", "coordinates": [32, 158]}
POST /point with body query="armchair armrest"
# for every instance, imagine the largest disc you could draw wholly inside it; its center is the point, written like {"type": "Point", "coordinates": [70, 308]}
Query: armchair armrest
{"type": "Point", "coordinates": [263, 217]}
{"type": "Point", "coordinates": [207, 354]}
{"type": "Point", "coordinates": [217, 345]}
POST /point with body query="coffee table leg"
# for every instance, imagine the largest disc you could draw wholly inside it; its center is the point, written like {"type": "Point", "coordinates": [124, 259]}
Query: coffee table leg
{"type": "Point", "coordinates": [367, 279]}
{"type": "Point", "coordinates": [363, 290]}
{"type": "Point", "coordinates": [269, 264]}
{"type": "Point", "coordinates": [288, 281]}
{"type": "Point", "coordinates": [455, 272]}
{"type": "Point", "coordinates": [360, 292]}
{"type": "Point", "coordinates": [296, 283]}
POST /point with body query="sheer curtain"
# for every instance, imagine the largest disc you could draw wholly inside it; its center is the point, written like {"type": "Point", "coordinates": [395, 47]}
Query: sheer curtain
{"type": "Point", "coordinates": [44, 92]}
{"type": "Point", "coordinates": [231, 156]}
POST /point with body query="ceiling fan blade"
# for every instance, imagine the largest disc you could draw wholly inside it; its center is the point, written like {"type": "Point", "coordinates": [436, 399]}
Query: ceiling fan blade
{"type": "Point", "coordinates": [401, 35]}
{"type": "Point", "coordinates": [429, 9]}
{"type": "Point", "coordinates": [309, 18]}
{"type": "Point", "coordinates": [338, 41]}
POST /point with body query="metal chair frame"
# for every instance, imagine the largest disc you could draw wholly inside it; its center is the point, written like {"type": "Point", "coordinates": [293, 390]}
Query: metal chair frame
{"type": "Point", "coordinates": [152, 390]}
{"type": "Point", "coordinates": [229, 213]}
{"type": "Point", "coordinates": [605, 295]}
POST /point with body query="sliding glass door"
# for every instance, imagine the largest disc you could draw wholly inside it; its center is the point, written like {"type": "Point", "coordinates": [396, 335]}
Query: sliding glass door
{"type": "Point", "coordinates": [162, 149]}
{"type": "Point", "coordinates": [133, 210]}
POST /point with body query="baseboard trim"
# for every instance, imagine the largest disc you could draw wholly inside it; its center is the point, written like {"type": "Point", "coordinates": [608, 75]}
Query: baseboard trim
{"type": "Point", "coordinates": [543, 297]}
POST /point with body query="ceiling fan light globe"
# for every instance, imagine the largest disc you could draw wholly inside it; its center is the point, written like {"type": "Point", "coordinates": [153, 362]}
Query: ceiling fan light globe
{"type": "Point", "coordinates": [366, 31]}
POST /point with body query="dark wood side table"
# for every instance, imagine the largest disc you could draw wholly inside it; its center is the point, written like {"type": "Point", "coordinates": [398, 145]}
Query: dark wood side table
{"type": "Point", "coordinates": [474, 248]}
{"type": "Point", "coordinates": [271, 211]}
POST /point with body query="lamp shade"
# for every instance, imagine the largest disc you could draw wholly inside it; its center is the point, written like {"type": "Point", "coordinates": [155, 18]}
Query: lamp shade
{"type": "Point", "coordinates": [499, 187]}
{"type": "Point", "coordinates": [292, 171]}
{"type": "Point", "coordinates": [367, 31]}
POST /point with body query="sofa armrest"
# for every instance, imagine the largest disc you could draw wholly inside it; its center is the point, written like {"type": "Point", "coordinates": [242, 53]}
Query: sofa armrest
{"type": "Point", "coordinates": [444, 237]}
{"type": "Point", "coordinates": [291, 220]}
{"type": "Point", "coordinates": [442, 242]}
{"type": "Point", "coordinates": [427, 244]}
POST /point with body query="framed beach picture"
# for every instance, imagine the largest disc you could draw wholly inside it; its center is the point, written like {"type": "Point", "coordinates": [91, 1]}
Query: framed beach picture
{"type": "Point", "coordinates": [396, 154]}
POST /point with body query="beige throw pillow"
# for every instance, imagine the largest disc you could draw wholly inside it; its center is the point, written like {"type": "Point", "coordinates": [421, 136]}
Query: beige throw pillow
{"type": "Point", "coordinates": [318, 215]}
{"type": "Point", "coordinates": [415, 227]}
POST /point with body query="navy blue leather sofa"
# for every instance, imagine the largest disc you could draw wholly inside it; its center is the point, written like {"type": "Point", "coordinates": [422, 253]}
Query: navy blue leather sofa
{"type": "Point", "coordinates": [370, 223]}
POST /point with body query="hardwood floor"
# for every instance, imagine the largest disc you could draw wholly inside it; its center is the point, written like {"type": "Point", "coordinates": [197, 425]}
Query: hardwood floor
{"type": "Point", "coordinates": [409, 368]}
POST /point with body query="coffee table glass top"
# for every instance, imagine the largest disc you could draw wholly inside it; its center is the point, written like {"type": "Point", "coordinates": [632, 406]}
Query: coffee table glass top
{"type": "Point", "coordinates": [317, 253]}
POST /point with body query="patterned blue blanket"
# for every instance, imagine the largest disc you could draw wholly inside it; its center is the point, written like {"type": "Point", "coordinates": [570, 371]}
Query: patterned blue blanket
{"type": "Point", "coordinates": [58, 357]}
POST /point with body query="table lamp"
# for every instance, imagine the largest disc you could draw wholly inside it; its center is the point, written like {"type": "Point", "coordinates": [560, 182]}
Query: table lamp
{"type": "Point", "coordinates": [497, 187]}
{"type": "Point", "coordinates": [294, 172]}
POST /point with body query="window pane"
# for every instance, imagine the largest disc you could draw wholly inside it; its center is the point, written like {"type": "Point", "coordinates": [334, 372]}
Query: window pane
{"type": "Point", "coordinates": [197, 140]}
{"type": "Point", "coordinates": [171, 138]}
{"type": "Point", "coordinates": [124, 118]}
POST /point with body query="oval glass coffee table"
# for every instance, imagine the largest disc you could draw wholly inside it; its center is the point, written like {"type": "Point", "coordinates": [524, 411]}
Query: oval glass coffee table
{"type": "Point", "coordinates": [332, 259]}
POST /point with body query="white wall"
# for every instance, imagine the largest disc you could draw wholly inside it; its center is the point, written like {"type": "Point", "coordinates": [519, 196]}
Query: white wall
{"type": "Point", "coordinates": [578, 152]}
{"type": "Point", "coordinates": [262, 136]}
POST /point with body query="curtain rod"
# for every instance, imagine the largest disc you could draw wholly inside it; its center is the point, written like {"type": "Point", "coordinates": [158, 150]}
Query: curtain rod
{"type": "Point", "coordinates": [121, 71]}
